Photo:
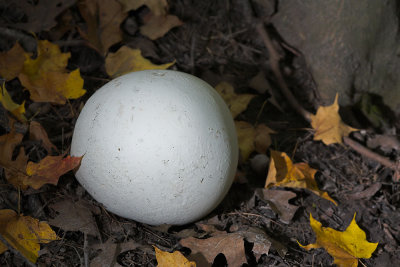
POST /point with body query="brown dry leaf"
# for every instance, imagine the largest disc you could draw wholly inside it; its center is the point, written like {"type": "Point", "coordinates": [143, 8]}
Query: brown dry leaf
{"type": "Point", "coordinates": [24, 233]}
{"type": "Point", "coordinates": [252, 139]}
{"type": "Point", "coordinates": [262, 85]}
{"type": "Point", "coordinates": [279, 202]}
{"type": "Point", "coordinates": [103, 20]}
{"type": "Point", "coordinates": [157, 7]}
{"type": "Point", "coordinates": [74, 216]}
{"type": "Point", "coordinates": [49, 170]}
{"type": "Point", "coordinates": [37, 132]}
{"type": "Point", "coordinates": [236, 103]}
{"type": "Point", "coordinates": [126, 60]}
{"type": "Point", "coordinates": [110, 251]}
{"type": "Point", "coordinates": [204, 251]}
{"type": "Point", "coordinates": [345, 247]}
{"type": "Point", "coordinates": [282, 172]}
{"type": "Point", "coordinates": [17, 110]}
{"type": "Point", "coordinates": [328, 125]}
{"type": "Point", "coordinates": [14, 169]}
{"type": "Point", "coordinates": [47, 78]}
{"type": "Point", "coordinates": [176, 259]}
{"type": "Point", "coordinates": [157, 26]}
{"type": "Point", "coordinates": [11, 62]}
{"type": "Point", "coordinates": [41, 15]}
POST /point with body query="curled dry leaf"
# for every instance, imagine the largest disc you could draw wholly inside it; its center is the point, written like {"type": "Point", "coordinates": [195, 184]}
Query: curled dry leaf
{"type": "Point", "coordinates": [49, 170]}
{"type": "Point", "coordinates": [24, 233]}
{"type": "Point", "coordinates": [37, 132]}
{"type": "Point", "coordinates": [328, 125]}
{"type": "Point", "coordinates": [47, 78]}
{"type": "Point", "coordinates": [126, 60]}
{"type": "Point", "coordinates": [17, 110]}
{"type": "Point", "coordinates": [282, 172]}
{"type": "Point", "coordinates": [345, 247]}
{"type": "Point", "coordinates": [166, 259]}
{"type": "Point", "coordinates": [11, 62]}
{"type": "Point", "coordinates": [237, 103]}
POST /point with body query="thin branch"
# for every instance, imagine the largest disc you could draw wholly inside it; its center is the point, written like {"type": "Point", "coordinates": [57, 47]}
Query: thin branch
{"type": "Point", "coordinates": [370, 154]}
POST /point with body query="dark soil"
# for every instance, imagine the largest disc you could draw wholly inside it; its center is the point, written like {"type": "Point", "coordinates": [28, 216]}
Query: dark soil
{"type": "Point", "coordinates": [218, 42]}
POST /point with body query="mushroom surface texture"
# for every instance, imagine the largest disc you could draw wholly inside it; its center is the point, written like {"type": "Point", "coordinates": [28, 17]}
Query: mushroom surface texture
{"type": "Point", "coordinates": [159, 147]}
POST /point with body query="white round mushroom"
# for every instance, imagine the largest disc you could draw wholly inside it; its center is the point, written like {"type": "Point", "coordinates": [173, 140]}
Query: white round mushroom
{"type": "Point", "coordinates": [159, 147]}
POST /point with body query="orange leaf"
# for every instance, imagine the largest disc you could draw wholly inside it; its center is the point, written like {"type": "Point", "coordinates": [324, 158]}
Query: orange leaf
{"type": "Point", "coordinates": [24, 233]}
{"type": "Point", "coordinates": [49, 170]}
{"type": "Point", "coordinates": [282, 172]}
{"type": "Point", "coordinates": [47, 78]}
{"type": "Point", "coordinates": [345, 247]}
{"type": "Point", "coordinates": [126, 60]}
{"type": "Point", "coordinates": [11, 62]}
{"type": "Point", "coordinates": [166, 259]}
{"type": "Point", "coordinates": [328, 125]}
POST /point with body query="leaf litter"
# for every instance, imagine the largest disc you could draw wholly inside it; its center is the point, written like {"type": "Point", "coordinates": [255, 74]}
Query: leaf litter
{"type": "Point", "coordinates": [270, 215]}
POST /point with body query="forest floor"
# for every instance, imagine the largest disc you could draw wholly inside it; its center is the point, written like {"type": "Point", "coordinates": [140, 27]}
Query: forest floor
{"type": "Point", "coordinates": [216, 42]}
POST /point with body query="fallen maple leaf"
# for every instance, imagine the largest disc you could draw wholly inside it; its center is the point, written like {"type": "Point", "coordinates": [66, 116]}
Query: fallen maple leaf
{"type": "Point", "coordinates": [252, 138]}
{"type": "Point", "coordinates": [14, 169]}
{"type": "Point", "coordinates": [204, 251]}
{"type": "Point", "coordinates": [157, 7]}
{"type": "Point", "coordinates": [47, 78]}
{"type": "Point", "coordinates": [282, 172]}
{"type": "Point", "coordinates": [17, 110]}
{"type": "Point", "coordinates": [166, 259]}
{"type": "Point", "coordinates": [345, 247]}
{"type": "Point", "coordinates": [127, 60]}
{"type": "Point", "coordinates": [37, 132]}
{"type": "Point", "coordinates": [328, 125]}
{"type": "Point", "coordinates": [237, 103]}
{"type": "Point", "coordinates": [49, 170]}
{"type": "Point", "coordinates": [24, 233]}
{"type": "Point", "coordinates": [279, 202]}
{"type": "Point", "coordinates": [157, 26]}
{"type": "Point", "coordinates": [11, 62]}
{"type": "Point", "coordinates": [103, 20]}
{"type": "Point", "coordinates": [110, 251]}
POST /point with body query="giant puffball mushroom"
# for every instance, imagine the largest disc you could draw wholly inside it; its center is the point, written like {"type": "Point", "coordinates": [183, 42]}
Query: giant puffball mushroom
{"type": "Point", "coordinates": [159, 147]}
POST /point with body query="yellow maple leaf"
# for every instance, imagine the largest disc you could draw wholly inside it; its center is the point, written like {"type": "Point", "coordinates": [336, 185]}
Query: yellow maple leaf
{"type": "Point", "coordinates": [127, 60]}
{"type": "Point", "coordinates": [252, 138]}
{"type": "Point", "coordinates": [47, 78]}
{"type": "Point", "coordinates": [237, 103]}
{"type": "Point", "coordinates": [17, 110]}
{"type": "Point", "coordinates": [282, 172]}
{"type": "Point", "coordinates": [345, 247]}
{"type": "Point", "coordinates": [176, 259]}
{"type": "Point", "coordinates": [328, 125]}
{"type": "Point", "coordinates": [11, 62]}
{"type": "Point", "coordinates": [24, 233]}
